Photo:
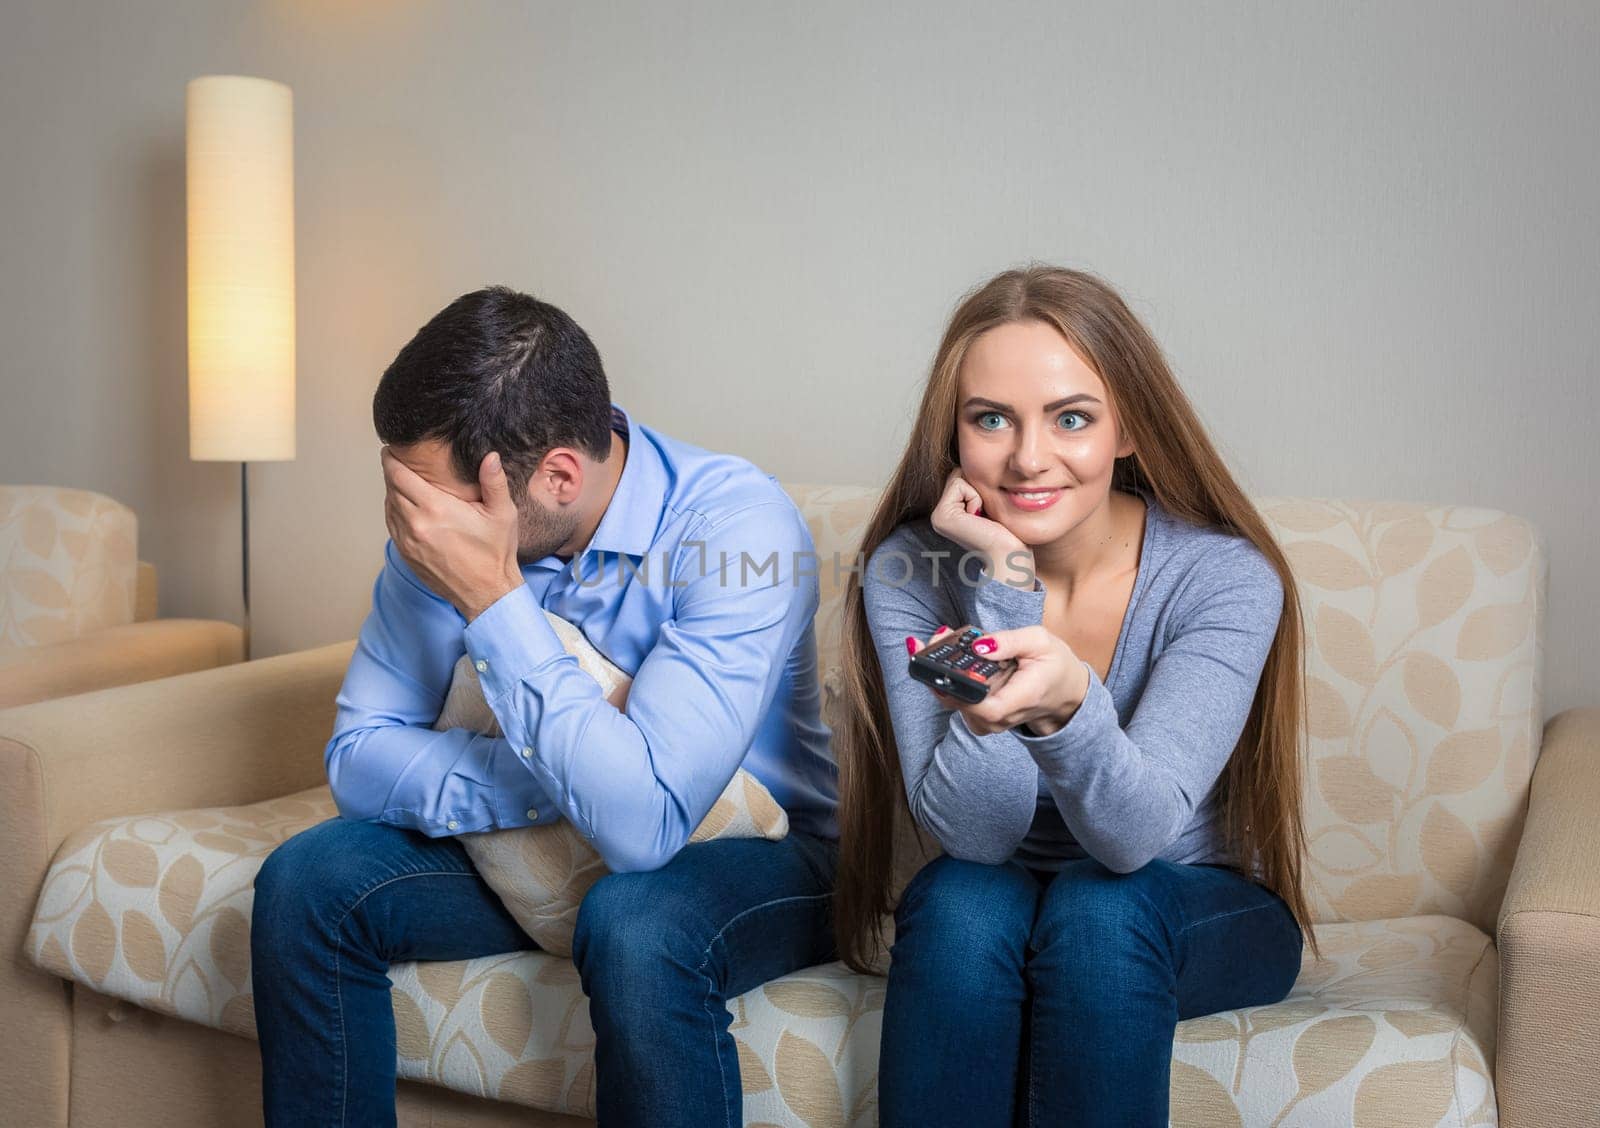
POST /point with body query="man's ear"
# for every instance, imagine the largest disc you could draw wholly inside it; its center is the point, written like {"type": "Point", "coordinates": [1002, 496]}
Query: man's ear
{"type": "Point", "coordinates": [558, 479]}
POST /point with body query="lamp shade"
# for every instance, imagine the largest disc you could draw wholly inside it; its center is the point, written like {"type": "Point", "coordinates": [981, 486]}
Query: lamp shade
{"type": "Point", "coordinates": [240, 173]}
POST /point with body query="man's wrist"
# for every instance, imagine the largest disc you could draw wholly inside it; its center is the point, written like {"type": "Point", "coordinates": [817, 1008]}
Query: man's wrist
{"type": "Point", "coordinates": [480, 602]}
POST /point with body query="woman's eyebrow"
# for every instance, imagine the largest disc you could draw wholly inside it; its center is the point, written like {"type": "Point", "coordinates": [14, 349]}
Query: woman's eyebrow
{"type": "Point", "coordinates": [1081, 397]}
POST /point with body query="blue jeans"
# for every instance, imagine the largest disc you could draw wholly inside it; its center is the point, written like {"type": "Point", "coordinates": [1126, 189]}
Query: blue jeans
{"type": "Point", "coordinates": [659, 954]}
{"type": "Point", "coordinates": [1018, 996]}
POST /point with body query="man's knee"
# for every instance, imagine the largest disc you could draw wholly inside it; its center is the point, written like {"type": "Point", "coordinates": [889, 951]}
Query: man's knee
{"type": "Point", "coordinates": [307, 883]}
{"type": "Point", "coordinates": [631, 929]}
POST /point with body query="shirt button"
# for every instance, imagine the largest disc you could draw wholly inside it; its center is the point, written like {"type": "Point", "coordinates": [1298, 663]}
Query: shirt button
{"type": "Point", "coordinates": [481, 665]}
{"type": "Point", "coordinates": [533, 814]}
{"type": "Point", "coordinates": [451, 825]}
{"type": "Point", "coordinates": [526, 752]}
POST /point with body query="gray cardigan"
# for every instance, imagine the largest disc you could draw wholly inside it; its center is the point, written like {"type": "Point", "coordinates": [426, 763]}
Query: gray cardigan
{"type": "Point", "coordinates": [1130, 777]}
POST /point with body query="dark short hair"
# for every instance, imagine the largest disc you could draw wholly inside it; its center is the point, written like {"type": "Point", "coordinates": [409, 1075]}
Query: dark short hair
{"type": "Point", "coordinates": [497, 370]}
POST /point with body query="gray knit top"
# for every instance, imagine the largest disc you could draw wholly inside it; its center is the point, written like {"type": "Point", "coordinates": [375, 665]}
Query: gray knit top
{"type": "Point", "coordinates": [1130, 777]}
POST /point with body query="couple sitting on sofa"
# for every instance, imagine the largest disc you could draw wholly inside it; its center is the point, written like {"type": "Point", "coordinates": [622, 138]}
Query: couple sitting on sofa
{"type": "Point", "coordinates": [1119, 815]}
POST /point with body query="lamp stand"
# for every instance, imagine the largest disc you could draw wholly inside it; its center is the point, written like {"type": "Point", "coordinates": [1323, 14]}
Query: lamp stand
{"type": "Point", "coordinates": [244, 555]}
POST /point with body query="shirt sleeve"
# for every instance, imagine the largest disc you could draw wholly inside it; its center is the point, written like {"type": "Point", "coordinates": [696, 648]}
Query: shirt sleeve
{"type": "Point", "coordinates": [1128, 794]}
{"type": "Point", "coordinates": [977, 795]}
{"type": "Point", "coordinates": [637, 782]}
{"type": "Point", "coordinates": [385, 762]}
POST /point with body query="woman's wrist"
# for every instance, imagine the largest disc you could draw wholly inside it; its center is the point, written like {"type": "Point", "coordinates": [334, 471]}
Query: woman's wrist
{"type": "Point", "coordinates": [1012, 567]}
{"type": "Point", "coordinates": [1061, 714]}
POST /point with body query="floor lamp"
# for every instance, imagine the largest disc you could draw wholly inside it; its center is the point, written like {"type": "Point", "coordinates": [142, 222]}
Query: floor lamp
{"type": "Point", "coordinates": [240, 181]}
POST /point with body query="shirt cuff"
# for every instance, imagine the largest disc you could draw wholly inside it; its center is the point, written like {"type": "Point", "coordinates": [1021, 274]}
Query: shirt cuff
{"type": "Point", "coordinates": [1085, 729]}
{"type": "Point", "coordinates": [1000, 607]}
{"type": "Point", "coordinates": [509, 641]}
{"type": "Point", "coordinates": [519, 800]}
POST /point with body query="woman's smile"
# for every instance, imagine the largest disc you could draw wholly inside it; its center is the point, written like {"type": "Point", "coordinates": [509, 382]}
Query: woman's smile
{"type": "Point", "coordinates": [1031, 500]}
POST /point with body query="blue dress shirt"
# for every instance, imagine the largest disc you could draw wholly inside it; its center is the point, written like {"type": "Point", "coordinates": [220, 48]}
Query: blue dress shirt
{"type": "Point", "coordinates": [700, 582]}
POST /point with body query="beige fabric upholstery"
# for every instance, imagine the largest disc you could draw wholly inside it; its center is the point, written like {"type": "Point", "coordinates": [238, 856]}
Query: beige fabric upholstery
{"type": "Point", "coordinates": [137, 1068]}
{"type": "Point", "coordinates": [1396, 1022]}
{"type": "Point", "coordinates": [134, 652]}
{"type": "Point", "coordinates": [541, 873]}
{"type": "Point", "coordinates": [76, 606]}
{"type": "Point", "coordinates": [146, 599]}
{"type": "Point", "coordinates": [1425, 628]}
{"type": "Point", "coordinates": [237, 734]}
{"type": "Point", "coordinates": [67, 564]}
{"type": "Point", "coordinates": [1549, 937]}
{"type": "Point", "coordinates": [1423, 666]}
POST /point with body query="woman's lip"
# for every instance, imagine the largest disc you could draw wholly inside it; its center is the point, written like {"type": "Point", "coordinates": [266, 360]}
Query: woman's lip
{"type": "Point", "coordinates": [1017, 501]}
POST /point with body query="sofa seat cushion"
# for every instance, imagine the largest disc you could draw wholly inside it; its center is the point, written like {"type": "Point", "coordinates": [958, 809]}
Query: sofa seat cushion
{"type": "Point", "coordinates": [1395, 1027]}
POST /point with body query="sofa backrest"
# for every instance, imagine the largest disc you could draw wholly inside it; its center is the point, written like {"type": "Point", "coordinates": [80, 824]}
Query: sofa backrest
{"type": "Point", "coordinates": [68, 564]}
{"type": "Point", "coordinates": [1424, 655]}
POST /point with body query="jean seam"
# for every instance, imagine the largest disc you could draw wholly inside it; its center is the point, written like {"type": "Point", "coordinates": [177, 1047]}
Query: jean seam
{"type": "Point", "coordinates": [711, 1014]}
{"type": "Point", "coordinates": [1222, 916]}
{"type": "Point", "coordinates": [338, 976]}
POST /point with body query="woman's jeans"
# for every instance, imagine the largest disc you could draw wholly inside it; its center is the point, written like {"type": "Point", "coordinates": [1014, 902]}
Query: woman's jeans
{"type": "Point", "coordinates": [659, 955]}
{"type": "Point", "coordinates": [1018, 996]}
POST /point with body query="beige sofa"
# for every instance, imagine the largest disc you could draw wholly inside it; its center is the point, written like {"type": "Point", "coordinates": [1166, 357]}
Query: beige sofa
{"type": "Point", "coordinates": [1460, 922]}
{"type": "Point", "coordinates": [78, 610]}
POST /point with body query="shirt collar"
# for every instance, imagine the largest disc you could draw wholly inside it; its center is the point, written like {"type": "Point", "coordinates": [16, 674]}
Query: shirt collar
{"type": "Point", "coordinates": [630, 520]}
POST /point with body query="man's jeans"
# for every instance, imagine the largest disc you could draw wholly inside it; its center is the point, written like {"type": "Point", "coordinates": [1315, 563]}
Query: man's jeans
{"type": "Point", "coordinates": [1023, 997]}
{"type": "Point", "coordinates": [659, 954]}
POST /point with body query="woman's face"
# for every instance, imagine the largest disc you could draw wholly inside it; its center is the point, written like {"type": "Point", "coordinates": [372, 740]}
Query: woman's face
{"type": "Point", "coordinates": [1035, 432]}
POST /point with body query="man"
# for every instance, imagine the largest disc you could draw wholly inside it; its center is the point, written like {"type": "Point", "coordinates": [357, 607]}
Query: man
{"type": "Point", "coordinates": [514, 484]}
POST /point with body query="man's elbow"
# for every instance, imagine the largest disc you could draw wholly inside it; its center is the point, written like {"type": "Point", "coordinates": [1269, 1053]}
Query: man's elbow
{"type": "Point", "coordinates": [354, 803]}
{"type": "Point", "coordinates": [627, 854]}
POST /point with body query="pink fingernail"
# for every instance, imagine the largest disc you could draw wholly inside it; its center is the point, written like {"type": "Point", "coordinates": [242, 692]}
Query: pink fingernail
{"type": "Point", "coordinates": [911, 644]}
{"type": "Point", "coordinates": [984, 646]}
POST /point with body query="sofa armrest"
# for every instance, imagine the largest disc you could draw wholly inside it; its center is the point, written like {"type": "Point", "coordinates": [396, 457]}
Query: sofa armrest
{"type": "Point", "coordinates": [220, 737]}
{"type": "Point", "coordinates": [230, 735]}
{"type": "Point", "coordinates": [134, 652]}
{"type": "Point", "coordinates": [1547, 1059]}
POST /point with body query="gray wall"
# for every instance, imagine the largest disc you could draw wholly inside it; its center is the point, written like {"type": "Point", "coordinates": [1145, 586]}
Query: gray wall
{"type": "Point", "coordinates": [1365, 233]}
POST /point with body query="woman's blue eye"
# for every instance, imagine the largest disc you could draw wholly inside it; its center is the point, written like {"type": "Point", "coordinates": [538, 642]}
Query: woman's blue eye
{"type": "Point", "coordinates": [989, 415]}
{"type": "Point", "coordinates": [1079, 415]}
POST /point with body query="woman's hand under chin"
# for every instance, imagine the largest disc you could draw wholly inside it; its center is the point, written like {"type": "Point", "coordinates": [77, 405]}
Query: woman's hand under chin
{"type": "Point", "coordinates": [1042, 691]}
{"type": "Point", "coordinates": [958, 517]}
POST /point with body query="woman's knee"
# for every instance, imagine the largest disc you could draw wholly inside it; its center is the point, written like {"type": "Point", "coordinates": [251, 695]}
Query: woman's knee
{"type": "Point", "coordinates": [1091, 917]}
{"type": "Point", "coordinates": [966, 914]}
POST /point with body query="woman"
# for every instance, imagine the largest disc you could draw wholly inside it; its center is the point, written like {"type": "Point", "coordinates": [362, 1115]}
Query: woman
{"type": "Point", "coordinates": [1097, 807]}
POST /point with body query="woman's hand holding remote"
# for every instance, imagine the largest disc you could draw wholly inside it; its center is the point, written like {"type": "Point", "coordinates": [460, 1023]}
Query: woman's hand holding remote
{"type": "Point", "coordinates": [958, 517]}
{"type": "Point", "coordinates": [1042, 691]}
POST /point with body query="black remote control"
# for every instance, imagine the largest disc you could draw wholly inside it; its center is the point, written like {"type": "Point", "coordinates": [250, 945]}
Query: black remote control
{"type": "Point", "coordinates": [954, 668]}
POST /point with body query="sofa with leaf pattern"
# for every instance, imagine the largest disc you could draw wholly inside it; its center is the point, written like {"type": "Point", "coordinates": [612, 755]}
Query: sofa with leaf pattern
{"type": "Point", "coordinates": [1454, 871]}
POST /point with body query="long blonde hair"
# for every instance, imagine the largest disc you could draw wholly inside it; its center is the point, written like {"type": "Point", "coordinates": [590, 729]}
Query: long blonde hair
{"type": "Point", "coordinates": [1259, 791]}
